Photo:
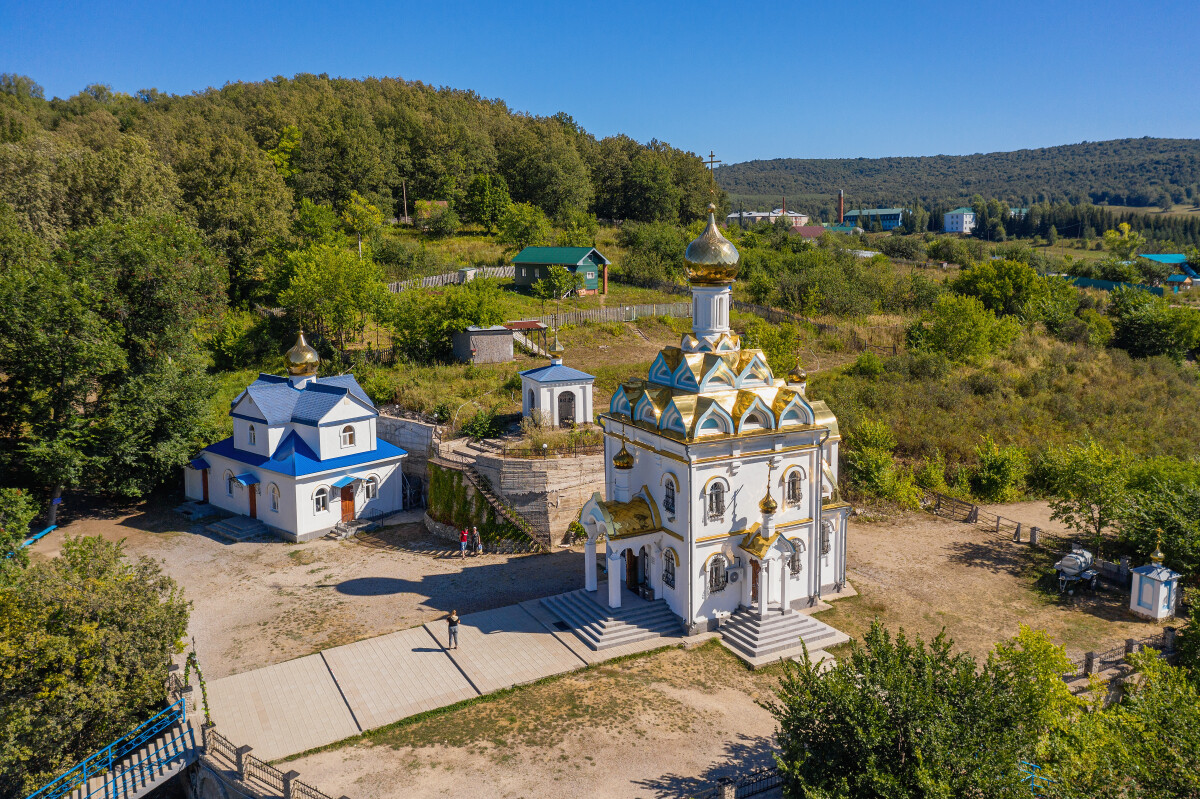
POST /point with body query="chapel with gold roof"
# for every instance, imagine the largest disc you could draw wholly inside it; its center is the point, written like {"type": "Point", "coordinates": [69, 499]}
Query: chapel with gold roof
{"type": "Point", "coordinates": [721, 479]}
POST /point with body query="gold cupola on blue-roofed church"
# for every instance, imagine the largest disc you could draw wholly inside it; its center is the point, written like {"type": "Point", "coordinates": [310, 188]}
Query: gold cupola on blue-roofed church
{"type": "Point", "coordinates": [711, 263]}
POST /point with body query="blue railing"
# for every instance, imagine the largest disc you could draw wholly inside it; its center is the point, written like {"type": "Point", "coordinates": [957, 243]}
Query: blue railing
{"type": "Point", "coordinates": [165, 737]}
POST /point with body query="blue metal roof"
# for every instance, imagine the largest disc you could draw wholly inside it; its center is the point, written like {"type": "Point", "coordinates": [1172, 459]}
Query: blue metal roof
{"type": "Point", "coordinates": [555, 373]}
{"type": "Point", "coordinates": [342, 482]}
{"type": "Point", "coordinates": [1177, 278]}
{"type": "Point", "coordinates": [199, 464]}
{"type": "Point", "coordinates": [280, 402]}
{"type": "Point", "coordinates": [1167, 258]}
{"type": "Point", "coordinates": [247, 479]}
{"type": "Point", "coordinates": [295, 458]}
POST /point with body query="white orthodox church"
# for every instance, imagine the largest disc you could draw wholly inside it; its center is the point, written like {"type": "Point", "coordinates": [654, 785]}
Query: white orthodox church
{"type": "Point", "coordinates": [304, 454]}
{"type": "Point", "coordinates": [721, 479]}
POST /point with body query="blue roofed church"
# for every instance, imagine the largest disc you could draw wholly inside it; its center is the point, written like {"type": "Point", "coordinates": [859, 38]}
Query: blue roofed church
{"type": "Point", "coordinates": [304, 454]}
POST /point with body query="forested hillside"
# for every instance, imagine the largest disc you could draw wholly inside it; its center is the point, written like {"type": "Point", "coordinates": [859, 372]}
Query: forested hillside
{"type": "Point", "coordinates": [238, 160]}
{"type": "Point", "coordinates": [1135, 172]}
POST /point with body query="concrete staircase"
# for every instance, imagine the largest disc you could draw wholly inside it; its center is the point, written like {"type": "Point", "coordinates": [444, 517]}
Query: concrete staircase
{"type": "Point", "coordinates": [237, 528]}
{"type": "Point", "coordinates": [145, 770]}
{"type": "Point", "coordinates": [602, 627]}
{"type": "Point", "coordinates": [761, 641]}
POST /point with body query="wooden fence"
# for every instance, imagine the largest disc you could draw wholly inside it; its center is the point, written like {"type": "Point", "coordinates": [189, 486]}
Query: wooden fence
{"type": "Point", "coordinates": [619, 313]}
{"type": "Point", "coordinates": [454, 278]}
{"type": "Point", "coordinates": [953, 508]}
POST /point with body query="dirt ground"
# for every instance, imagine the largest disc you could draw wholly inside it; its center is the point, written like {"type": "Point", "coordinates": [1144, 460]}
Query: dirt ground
{"type": "Point", "coordinates": [264, 602]}
{"type": "Point", "coordinates": [924, 573]}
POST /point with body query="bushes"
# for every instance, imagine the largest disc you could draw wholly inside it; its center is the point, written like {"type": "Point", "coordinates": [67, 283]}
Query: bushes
{"type": "Point", "coordinates": [1145, 325]}
{"type": "Point", "coordinates": [872, 468]}
{"type": "Point", "coordinates": [1000, 474]}
{"type": "Point", "coordinates": [961, 329]}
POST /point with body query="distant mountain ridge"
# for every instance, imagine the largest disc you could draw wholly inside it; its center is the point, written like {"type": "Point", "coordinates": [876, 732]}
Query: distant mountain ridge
{"type": "Point", "coordinates": [1117, 172]}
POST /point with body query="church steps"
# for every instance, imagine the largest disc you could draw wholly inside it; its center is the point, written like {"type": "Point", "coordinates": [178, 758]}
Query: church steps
{"type": "Point", "coordinates": [601, 627]}
{"type": "Point", "coordinates": [759, 640]}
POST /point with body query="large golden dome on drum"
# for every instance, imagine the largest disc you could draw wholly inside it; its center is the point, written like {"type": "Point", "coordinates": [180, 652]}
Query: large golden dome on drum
{"type": "Point", "coordinates": [711, 259]}
{"type": "Point", "coordinates": [302, 360]}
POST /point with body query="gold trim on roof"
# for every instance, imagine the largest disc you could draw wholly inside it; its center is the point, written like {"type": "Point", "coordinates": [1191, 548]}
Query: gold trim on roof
{"type": "Point", "coordinates": [755, 544]}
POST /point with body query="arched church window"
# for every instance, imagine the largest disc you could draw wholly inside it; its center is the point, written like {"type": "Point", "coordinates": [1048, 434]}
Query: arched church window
{"type": "Point", "coordinates": [250, 435]}
{"type": "Point", "coordinates": [718, 574]}
{"type": "Point", "coordinates": [348, 436]}
{"type": "Point", "coordinates": [668, 570]}
{"type": "Point", "coordinates": [794, 488]}
{"type": "Point", "coordinates": [229, 481]}
{"type": "Point", "coordinates": [321, 500]}
{"type": "Point", "coordinates": [531, 399]}
{"type": "Point", "coordinates": [669, 498]}
{"type": "Point", "coordinates": [371, 486]}
{"type": "Point", "coordinates": [716, 501]}
{"type": "Point", "coordinates": [273, 491]}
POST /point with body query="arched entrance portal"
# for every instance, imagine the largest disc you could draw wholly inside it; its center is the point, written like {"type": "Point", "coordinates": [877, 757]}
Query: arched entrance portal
{"type": "Point", "coordinates": [631, 570]}
{"type": "Point", "coordinates": [566, 409]}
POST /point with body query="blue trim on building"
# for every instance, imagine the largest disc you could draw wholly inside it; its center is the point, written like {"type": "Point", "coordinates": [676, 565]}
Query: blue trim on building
{"type": "Point", "coordinates": [348, 421]}
{"type": "Point", "coordinates": [293, 457]}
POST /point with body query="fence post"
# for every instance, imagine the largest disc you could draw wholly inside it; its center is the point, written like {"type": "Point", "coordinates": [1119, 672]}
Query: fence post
{"type": "Point", "coordinates": [1017, 534]}
{"type": "Point", "coordinates": [1033, 536]}
{"type": "Point", "coordinates": [205, 729]}
{"type": "Point", "coordinates": [288, 779]}
{"type": "Point", "coordinates": [1168, 639]}
{"type": "Point", "coordinates": [997, 524]}
{"type": "Point", "coordinates": [240, 754]}
{"type": "Point", "coordinates": [728, 789]}
{"type": "Point", "coordinates": [1089, 663]}
{"type": "Point", "coordinates": [1131, 646]}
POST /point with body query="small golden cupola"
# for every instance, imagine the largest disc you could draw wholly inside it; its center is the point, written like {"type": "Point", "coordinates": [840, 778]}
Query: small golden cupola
{"type": "Point", "coordinates": [302, 360]}
{"type": "Point", "coordinates": [623, 459]}
{"type": "Point", "coordinates": [767, 504]}
{"type": "Point", "coordinates": [711, 259]}
{"type": "Point", "coordinates": [797, 376]}
{"type": "Point", "coordinates": [556, 350]}
{"type": "Point", "coordinates": [1156, 557]}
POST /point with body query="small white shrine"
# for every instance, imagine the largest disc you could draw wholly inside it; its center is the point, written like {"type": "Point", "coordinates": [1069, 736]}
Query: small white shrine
{"type": "Point", "coordinates": [721, 480]}
{"type": "Point", "coordinates": [557, 395]}
{"type": "Point", "coordinates": [304, 454]}
{"type": "Point", "coordinates": [1155, 590]}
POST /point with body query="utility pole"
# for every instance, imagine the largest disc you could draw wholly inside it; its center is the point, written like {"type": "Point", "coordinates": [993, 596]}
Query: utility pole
{"type": "Point", "coordinates": [404, 190]}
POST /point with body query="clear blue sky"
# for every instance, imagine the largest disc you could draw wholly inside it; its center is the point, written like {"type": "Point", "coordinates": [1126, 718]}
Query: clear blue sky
{"type": "Point", "coordinates": [753, 80]}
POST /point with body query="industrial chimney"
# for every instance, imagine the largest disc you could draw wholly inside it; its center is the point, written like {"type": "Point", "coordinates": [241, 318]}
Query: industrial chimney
{"type": "Point", "coordinates": [841, 207]}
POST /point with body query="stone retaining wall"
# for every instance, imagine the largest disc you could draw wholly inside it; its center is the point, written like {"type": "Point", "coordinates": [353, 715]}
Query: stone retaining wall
{"type": "Point", "coordinates": [415, 438]}
{"type": "Point", "coordinates": [548, 491]}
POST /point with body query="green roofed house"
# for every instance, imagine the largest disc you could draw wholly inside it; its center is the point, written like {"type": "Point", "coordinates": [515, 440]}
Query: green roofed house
{"type": "Point", "coordinates": [533, 263]}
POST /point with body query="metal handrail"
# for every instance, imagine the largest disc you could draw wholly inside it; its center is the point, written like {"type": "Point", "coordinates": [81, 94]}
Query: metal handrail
{"type": "Point", "coordinates": [104, 761]}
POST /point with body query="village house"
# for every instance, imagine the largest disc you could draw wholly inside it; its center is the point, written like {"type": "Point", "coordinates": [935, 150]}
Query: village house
{"type": "Point", "coordinates": [533, 263]}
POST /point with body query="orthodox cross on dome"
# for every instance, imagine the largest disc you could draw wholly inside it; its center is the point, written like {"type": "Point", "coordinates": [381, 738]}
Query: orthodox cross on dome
{"type": "Point", "coordinates": [712, 179]}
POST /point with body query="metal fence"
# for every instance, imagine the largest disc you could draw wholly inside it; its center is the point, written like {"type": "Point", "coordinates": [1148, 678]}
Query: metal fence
{"type": "Point", "coordinates": [760, 782]}
{"type": "Point", "coordinates": [567, 450]}
{"type": "Point", "coordinates": [1095, 662]}
{"type": "Point", "coordinates": [258, 777]}
{"type": "Point", "coordinates": [960, 510]}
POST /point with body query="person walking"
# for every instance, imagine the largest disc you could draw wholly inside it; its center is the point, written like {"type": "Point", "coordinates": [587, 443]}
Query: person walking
{"type": "Point", "coordinates": [452, 625]}
{"type": "Point", "coordinates": [462, 544]}
{"type": "Point", "coordinates": [478, 541]}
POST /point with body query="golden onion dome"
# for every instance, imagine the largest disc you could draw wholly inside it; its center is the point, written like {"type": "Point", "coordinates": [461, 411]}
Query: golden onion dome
{"type": "Point", "coordinates": [797, 375]}
{"type": "Point", "coordinates": [711, 259]}
{"type": "Point", "coordinates": [1156, 557]}
{"type": "Point", "coordinates": [557, 349]}
{"type": "Point", "coordinates": [767, 504]}
{"type": "Point", "coordinates": [623, 459]}
{"type": "Point", "coordinates": [302, 360]}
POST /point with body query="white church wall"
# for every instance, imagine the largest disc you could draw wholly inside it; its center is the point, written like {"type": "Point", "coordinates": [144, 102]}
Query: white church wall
{"type": "Point", "coordinates": [275, 435]}
{"type": "Point", "coordinates": [241, 436]}
{"type": "Point", "coordinates": [193, 484]}
{"type": "Point", "coordinates": [331, 438]}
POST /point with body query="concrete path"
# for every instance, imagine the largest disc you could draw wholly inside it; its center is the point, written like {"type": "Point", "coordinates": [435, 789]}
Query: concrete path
{"type": "Point", "coordinates": [320, 699]}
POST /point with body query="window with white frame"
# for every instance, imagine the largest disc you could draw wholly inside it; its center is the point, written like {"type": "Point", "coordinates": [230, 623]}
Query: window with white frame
{"type": "Point", "coordinates": [250, 435]}
{"type": "Point", "coordinates": [716, 501]}
{"type": "Point", "coordinates": [321, 500]}
{"type": "Point", "coordinates": [348, 436]}
{"type": "Point", "coordinates": [718, 574]}
{"type": "Point", "coordinates": [371, 487]}
{"type": "Point", "coordinates": [273, 491]}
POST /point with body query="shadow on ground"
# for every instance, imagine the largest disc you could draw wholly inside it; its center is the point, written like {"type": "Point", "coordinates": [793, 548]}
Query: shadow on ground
{"type": "Point", "coordinates": [742, 756]}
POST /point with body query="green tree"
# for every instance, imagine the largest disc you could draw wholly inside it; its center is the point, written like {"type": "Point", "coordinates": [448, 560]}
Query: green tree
{"type": "Point", "coordinates": [1007, 288]}
{"type": "Point", "coordinates": [317, 223]}
{"type": "Point", "coordinates": [1166, 511]}
{"type": "Point", "coordinates": [557, 283]}
{"type": "Point", "coordinates": [1052, 236]}
{"type": "Point", "coordinates": [961, 329]}
{"type": "Point", "coordinates": [1088, 481]}
{"type": "Point", "coordinates": [523, 225]}
{"type": "Point", "coordinates": [333, 292]}
{"type": "Point", "coordinates": [361, 218]}
{"type": "Point", "coordinates": [1145, 325]}
{"type": "Point", "coordinates": [17, 512]}
{"type": "Point", "coordinates": [1124, 242]}
{"type": "Point", "coordinates": [84, 645]}
{"type": "Point", "coordinates": [485, 201]}
{"type": "Point", "coordinates": [577, 229]}
{"type": "Point", "coordinates": [999, 471]}
{"type": "Point", "coordinates": [899, 718]}
{"type": "Point", "coordinates": [281, 153]}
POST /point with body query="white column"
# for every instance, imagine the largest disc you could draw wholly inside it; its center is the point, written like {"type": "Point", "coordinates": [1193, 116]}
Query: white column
{"type": "Point", "coordinates": [764, 588]}
{"type": "Point", "coordinates": [589, 565]}
{"type": "Point", "coordinates": [785, 577]}
{"type": "Point", "coordinates": [748, 585]}
{"type": "Point", "coordinates": [614, 578]}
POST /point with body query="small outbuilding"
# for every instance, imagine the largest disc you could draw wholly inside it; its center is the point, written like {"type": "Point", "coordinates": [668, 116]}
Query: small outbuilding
{"type": "Point", "coordinates": [557, 395]}
{"type": "Point", "coordinates": [1155, 591]}
{"type": "Point", "coordinates": [483, 345]}
{"type": "Point", "coordinates": [533, 263]}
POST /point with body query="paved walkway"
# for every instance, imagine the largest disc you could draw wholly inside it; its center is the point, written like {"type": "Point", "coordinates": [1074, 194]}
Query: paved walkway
{"type": "Point", "coordinates": [290, 707]}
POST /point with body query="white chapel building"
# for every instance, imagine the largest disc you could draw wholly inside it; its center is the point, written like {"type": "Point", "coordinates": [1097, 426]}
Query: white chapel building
{"type": "Point", "coordinates": [304, 454]}
{"type": "Point", "coordinates": [557, 395]}
{"type": "Point", "coordinates": [721, 492]}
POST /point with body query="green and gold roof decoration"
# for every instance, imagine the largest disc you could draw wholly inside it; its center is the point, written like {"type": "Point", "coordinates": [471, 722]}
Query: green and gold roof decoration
{"type": "Point", "coordinates": [755, 544]}
{"type": "Point", "coordinates": [637, 517]}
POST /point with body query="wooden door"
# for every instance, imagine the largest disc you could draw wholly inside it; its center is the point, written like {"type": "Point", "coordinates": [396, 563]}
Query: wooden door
{"type": "Point", "coordinates": [253, 501]}
{"type": "Point", "coordinates": [566, 409]}
{"type": "Point", "coordinates": [348, 503]}
{"type": "Point", "coordinates": [754, 581]}
{"type": "Point", "coordinates": [631, 575]}
{"type": "Point", "coordinates": [204, 483]}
